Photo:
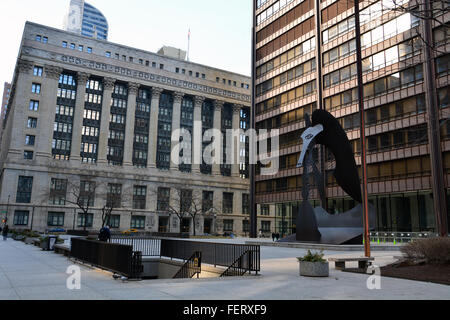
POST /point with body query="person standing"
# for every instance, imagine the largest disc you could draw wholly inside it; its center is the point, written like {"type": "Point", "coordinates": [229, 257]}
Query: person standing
{"type": "Point", "coordinates": [5, 232]}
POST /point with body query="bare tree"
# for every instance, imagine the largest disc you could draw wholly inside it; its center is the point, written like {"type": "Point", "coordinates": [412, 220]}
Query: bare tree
{"type": "Point", "coordinates": [80, 193]}
{"type": "Point", "coordinates": [200, 207]}
{"type": "Point", "coordinates": [114, 198]}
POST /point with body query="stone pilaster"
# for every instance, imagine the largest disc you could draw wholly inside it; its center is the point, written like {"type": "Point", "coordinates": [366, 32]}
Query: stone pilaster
{"type": "Point", "coordinates": [75, 150]}
{"type": "Point", "coordinates": [19, 110]}
{"type": "Point", "coordinates": [176, 125]}
{"type": "Point", "coordinates": [49, 93]}
{"type": "Point", "coordinates": [235, 168]}
{"type": "Point", "coordinates": [218, 107]}
{"type": "Point", "coordinates": [153, 134]}
{"type": "Point", "coordinates": [108, 87]}
{"type": "Point", "coordinates": [197, 142]}
{"type": "Point", "coordinates": [131, 119]}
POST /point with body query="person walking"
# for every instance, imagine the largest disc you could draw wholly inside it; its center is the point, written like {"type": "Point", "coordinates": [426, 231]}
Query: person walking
{"type": "Point", "coordinates": [5, 232]}
{"type": "Point", "coordinates": [105, 234]}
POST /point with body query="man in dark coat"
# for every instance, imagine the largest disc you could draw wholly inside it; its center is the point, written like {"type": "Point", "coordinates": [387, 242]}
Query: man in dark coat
{"type": "Point", "coordinates": [105, 234]}
{"type": "Point", "coordinates": [5, 232]}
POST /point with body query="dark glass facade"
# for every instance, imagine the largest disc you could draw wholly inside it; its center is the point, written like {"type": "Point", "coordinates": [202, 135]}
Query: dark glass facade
{"type": "Point", "coordinates": [291, 81]}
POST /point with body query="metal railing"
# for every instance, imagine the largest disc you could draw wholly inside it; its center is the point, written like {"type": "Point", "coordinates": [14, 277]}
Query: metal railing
{"type": "Point", "coordinates": [217, 254]}
{"type": "Point", "coordinates": [239, 267]}
{"type": "Point", "coordinates": [191, 268]}
{"type": "Point", "coordinates": [381, 237]}
{"type": "Point", "coordinates": [117, 258]}
{"type": "Point", "coordinates": [149, 247]}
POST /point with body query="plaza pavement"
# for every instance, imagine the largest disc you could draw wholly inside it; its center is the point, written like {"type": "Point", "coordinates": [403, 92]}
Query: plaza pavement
{"type": "Point", "coordinates": [28, 273]}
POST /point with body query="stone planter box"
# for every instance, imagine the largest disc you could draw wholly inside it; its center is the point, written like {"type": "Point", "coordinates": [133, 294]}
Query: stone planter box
{"type": "Point", "coordinates": [314, 269]}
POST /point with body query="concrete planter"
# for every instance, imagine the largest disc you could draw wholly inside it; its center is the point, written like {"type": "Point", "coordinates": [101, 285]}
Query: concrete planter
{"type": "Point", "coordinates": [314, 269]}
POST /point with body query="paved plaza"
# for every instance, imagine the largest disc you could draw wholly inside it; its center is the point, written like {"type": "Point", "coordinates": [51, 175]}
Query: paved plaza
{"type": "Point", "coordinates": [28, 273]}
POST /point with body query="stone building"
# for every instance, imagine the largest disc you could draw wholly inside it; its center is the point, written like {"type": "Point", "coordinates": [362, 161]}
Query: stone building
{"type": "Point", "coordinates": [305, 59]}
{"type": "Point", "coordinates": [5, 99]}
{"type": "Point", "coordinates": [90, 117]}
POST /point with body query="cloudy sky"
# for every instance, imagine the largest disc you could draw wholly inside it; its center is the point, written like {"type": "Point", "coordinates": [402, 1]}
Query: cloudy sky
{"type": "Point", "coordinates": [220, 30]}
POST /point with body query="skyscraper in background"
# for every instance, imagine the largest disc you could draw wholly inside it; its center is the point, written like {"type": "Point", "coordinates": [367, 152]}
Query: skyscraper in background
{"type": "Point", "coordinates": [86, 20]}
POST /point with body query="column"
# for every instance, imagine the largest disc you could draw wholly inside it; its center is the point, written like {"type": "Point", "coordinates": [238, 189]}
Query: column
{"type": "Point", "coordinates": [235, 168]}
{"type": "Point", "coordinates": [75, 151]}
{"type": "Point", "coordinates": [108, 87]}
{"type": "Point", "coordinates": [131, 120]}
{"type": "Point", "coordinates": [17, 120]}
{"type": "Point", "coordinates": [47, 112]}
{"type": "Point", "coordinates": [176, 125]}
{"type": "Point", "coordinates": [197, 142]}
{"type": "Point", "coordinates": [153, 135]}
{"type": "Point", "coordinates": [218, 106]}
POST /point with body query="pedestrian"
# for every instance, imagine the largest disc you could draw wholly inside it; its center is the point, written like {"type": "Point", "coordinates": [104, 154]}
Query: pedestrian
{"type": "Point", "coordinates": [260, 233]}
{"type": "Point", "coordinates": [105, 234]}
{"type": "Point", "coordinates": [273, 236]}
{"type": "Point", "coordinates": [5, 232]}
{"type": "Point", "coordinates": [277, 236]}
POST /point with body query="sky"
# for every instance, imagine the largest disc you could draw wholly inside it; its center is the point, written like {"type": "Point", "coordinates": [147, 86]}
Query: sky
{"type": "Point", "coordinates": [220, 30]}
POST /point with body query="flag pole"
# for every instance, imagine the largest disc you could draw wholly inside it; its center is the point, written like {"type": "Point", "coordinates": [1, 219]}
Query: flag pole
{"type": "Point", "coordinates": [366, 221]}
{"type": "Point", "coordinates": [189, 43]}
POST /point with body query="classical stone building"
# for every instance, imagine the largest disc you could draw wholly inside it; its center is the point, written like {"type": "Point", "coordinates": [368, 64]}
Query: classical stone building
{"type": "Point", "coordinates": [90, 117]}
{"type": "Point", "coordinates": [305, 59]}
{"type": "Point", "coordinates": [5, 99]}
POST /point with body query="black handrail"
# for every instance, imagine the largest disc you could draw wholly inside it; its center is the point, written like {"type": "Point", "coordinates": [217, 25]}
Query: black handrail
{"type": "Point", "coordinates": [239, 267]}
{"type": "Point", "coordinates": [191, 268]}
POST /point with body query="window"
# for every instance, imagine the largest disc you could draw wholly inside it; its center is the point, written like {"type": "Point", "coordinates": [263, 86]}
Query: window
{"type": "Point", "coordinates": [72, 46]}
{"type": "Point", "coordinates": [139, 197]}
{"type": "Point", "coordinates": [24, 189]}
{"type": "Point", "coordinates": [85, 220]}
{"type": "Point", "coordinates": [64, 44]}
{"type": "Point", "coordinates": [163, 199]}
{"type": "Point", "coordinates": [108, 54]}
{"type": "Point", "coordinates": [138, 222]}
{"type": "Point", "coordinates": [80, 48]}
{"type": "Point", "coordinates": [114, 195]}
{"type": "Point", "coordinates": [44, 39]}
{"type": "Point", "coordinates": [37, 71]}
{"type": "Point", "coordinates": [28, 155]}
{"type": "Point", "coordinates": [89, 50]}
{"type": "Point", "coordinates": [177, 70]}
{"type": "Point", "coordinates": [30, 140]}
{"type": "Point", "coordinates": [87, 193]}
{"type": "Point", "coordinates": [36, 88]}
{"type": "Point", "coordinates": [34, 105]}
{"type": "Point", "coordinates": [245, 204]}
{"type": "Point", "coordinates": [208, 198]}
{"type": "Point", "coordinates": [38, 38]}
{"type": "Point", "coordinates": [246, 226]}
{"type": "Point", "coordinates": [161, 66]}
{"type": "Point", "coordinates": [55, 219]}
{"type": "Point", "coordinates": [265, 210]}
{"type": "Point", "coordinates": [228, 225]}
{"type": "Point", "coordinates": [113, 221]}
{"type": "Point", "coordinates": [227, 203]}
{"type": "Point", "coordinates": [265, 226]}
{"type": "Point", "coordinates": [58, 191]}
{"type": "Point", "coordinates": [32, 123]}
{"type": "Point", "coordinates": [21, 218]}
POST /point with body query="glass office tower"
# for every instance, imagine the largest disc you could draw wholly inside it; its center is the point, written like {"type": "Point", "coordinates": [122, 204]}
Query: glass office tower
{"type": "Point", "coordinates": [86, 20]}
{"type": "Point", "coordinates": [305, 59]}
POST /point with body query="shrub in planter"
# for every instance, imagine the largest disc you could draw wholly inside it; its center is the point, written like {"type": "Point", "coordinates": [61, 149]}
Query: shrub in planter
{"type": "Point", "coordinates": [313, 265]}
{"type": "Point", "coordinates": [431, 251]}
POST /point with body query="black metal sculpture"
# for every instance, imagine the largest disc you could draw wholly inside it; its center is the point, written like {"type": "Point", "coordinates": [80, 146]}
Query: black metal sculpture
{"type": "Point", "coordinates": [316, 225]}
